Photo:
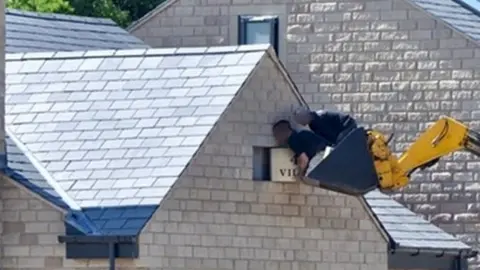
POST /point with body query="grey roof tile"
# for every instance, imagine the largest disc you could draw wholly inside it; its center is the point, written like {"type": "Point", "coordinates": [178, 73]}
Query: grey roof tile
{"type": "Point", "coordinates": [40, 33]}
{"type": "Point", "coordinates": [120, 220]}
{"type": "Point", "coordinates": [23, 168]}
{"type": "Point", "coordinates": [454, 14]}
{"type": "Point", "coordinates": [114, 127]}
{"type": "Point", "coordinates": [407, 229]}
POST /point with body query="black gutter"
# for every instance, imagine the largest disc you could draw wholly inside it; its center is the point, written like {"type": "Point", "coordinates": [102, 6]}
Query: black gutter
{"type": "Point", "coordinates": [462, 253]}
{"type": "Point", "coordinates": [111, 240]}
{"type": "Point", "coordinates": [427, 258]}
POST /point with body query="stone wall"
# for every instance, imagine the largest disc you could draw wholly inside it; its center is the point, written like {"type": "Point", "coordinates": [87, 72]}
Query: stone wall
{"type": "Point", "coordinates": [30, 230]}
{"type": "Point", "coordinates": [2, 82]}
{"type": "Point", "coordinates": [216, 217]}
{"type": "Point", "coordinates": [391, 65]}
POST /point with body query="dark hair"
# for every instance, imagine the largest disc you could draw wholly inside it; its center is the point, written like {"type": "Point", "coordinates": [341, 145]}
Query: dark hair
{"type": "Point", "coordinates": [282, 125]}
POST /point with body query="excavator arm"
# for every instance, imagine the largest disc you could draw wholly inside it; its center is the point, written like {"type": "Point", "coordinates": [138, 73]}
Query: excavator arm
{"type": "Point", "coordinates": [363, 161]}
{"type": "Point", "coordinates": [445, 136]}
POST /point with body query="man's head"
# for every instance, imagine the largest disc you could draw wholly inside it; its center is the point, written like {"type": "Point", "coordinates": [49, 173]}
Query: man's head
{"type": "Point", "coordinates": [302, 116]}
{"type": "Point", "coordinates": [281, 131]}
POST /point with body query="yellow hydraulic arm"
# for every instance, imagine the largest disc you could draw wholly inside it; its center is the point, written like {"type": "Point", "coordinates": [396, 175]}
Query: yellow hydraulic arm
{"type": "Point", "coordinates": [445, 136]}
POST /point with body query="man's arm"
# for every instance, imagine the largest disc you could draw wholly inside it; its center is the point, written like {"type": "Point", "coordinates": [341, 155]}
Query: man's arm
{"type": "Point", "coordinates": [305, 144]}
{"type": "Point", "coordinates": [302, 162]}
{"type": "Point", "coordinates": [309, 145]}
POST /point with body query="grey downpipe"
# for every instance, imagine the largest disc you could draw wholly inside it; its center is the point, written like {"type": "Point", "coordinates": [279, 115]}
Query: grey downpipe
{"type": "Point", "coordinates": [111, 255]}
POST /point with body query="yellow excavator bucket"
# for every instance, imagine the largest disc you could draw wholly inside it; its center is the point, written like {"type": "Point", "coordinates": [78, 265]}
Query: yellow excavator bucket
{"type": "Point", "coordinates": [349, 168]}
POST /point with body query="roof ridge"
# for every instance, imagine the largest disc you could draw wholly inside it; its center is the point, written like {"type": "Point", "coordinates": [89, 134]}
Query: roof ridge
{"type": "Point", "coordinates": [42, 171]}
{"type": "Point", "coordinates": [59, 36]}
{"type": "Point", "coordinates": [281, 67]}
{"type": "Point", "coordinates": [136, 52]}
{"type": "Point", "coordinates": [145, 18]}
{"type": "Point", "coordinates": [59, 17]}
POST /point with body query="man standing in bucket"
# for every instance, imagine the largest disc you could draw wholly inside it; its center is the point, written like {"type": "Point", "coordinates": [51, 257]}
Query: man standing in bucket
{"type": "Point", "coordinates": [333, 126]}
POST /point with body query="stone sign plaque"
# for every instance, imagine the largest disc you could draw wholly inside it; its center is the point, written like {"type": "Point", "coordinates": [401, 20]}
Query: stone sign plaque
{"type": "Point", "coordinates": [283, 169]}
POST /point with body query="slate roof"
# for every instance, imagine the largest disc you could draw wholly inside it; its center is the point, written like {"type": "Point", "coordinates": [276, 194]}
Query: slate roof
{"type": "Point", "coordinates": [399, 223]}
{"type": "Point", "coordinates": [21, 168]}
{"type": "Point", "coordinates": [457, 14]}
{"type": "Point", "coordinates": [116, 128]}
{"type": "Point", "coordinates": [31, 31]}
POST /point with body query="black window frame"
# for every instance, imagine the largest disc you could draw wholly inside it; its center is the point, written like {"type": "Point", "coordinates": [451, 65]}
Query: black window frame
{"type": "Point", "coordinates": [244, 20]}
{"type": "Point", "coordinates": [261, 164]}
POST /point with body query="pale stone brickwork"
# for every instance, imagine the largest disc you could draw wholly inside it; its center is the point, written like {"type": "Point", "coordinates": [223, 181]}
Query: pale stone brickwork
{"type": "Point", "coordinates": [29, 236]}
{"type": "Point", "coordinates": [2, 76]}
{"type": "Point", "coordinates": [30, 229]}
{"type": "Point", "coordinates": [389, 63]}
{"type": "Point", "coordinates": [2, 108]}
{"type": "Point", "coordinates": [216, 217]}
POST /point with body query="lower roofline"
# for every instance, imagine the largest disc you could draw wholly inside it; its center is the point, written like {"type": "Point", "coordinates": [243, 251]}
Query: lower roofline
{"type": "Point", "coordinates": [97, 239]}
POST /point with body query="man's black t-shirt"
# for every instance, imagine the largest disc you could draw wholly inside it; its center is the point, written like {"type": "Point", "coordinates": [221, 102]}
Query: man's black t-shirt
{"type": "Point", "coordinates": [307, 142]}
{"type": "Point", "coordinates": [329, 125]}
